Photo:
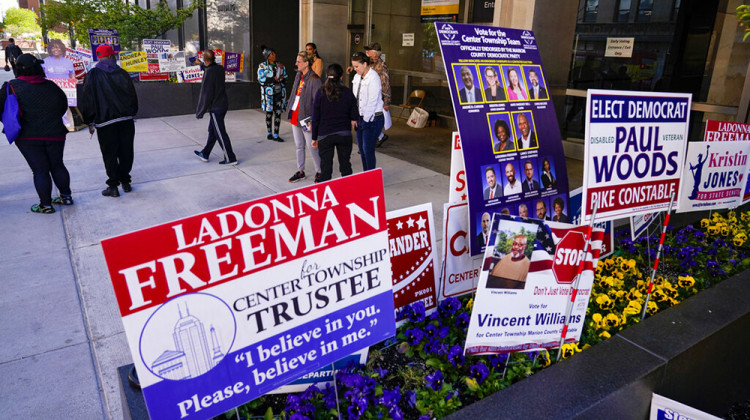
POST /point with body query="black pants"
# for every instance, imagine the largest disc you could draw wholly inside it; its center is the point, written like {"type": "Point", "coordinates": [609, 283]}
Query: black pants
{"type": "Point", "coordinates": [45, 158]}
{"type": "Point", "coordinates": [116, 144]}
{"type": "Point", "coordinates": [217, 131]}
{"type": "Point", "coordinates": [342, 145]}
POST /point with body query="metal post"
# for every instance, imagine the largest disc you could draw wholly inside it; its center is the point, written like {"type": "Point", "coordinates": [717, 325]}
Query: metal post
{"type": "Point", "coordinates": [576, 280]}
{"type": "Point", "coordinates": [658, 254]}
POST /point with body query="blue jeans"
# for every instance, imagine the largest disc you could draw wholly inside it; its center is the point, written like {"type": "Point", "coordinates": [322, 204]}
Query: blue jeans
{"type": "Point", "coordinates": [367, 136]}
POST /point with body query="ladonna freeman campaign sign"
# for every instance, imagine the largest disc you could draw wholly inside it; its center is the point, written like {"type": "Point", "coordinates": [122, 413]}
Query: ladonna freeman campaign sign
{"type": "Point", "coordinates": [510, 139]}
{"type": "Point", "coordinates": [225, 306]}
{"type": "Point", "coordinates": [525, 284]}
{"type": "Point", "coordinates": [634, 152]}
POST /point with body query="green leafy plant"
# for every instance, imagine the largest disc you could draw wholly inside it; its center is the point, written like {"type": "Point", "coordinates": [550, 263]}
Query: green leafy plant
{"type": "Point", "coordinates": [20, 21]}
{"type": "Point", "coordinates": [743, 17]}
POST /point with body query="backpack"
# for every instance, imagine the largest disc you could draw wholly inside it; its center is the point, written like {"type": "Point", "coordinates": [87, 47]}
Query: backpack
{"type": "Point", "coordinates": [11, 115]}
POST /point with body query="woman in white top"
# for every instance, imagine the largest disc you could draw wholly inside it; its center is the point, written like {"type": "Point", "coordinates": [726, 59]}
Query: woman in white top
{"type": "Point", "coordinates": [368, 91]}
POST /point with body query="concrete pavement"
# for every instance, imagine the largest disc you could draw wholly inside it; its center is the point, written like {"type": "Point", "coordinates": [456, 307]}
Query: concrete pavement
{"type": "Point", "coordinates": [62, 335]}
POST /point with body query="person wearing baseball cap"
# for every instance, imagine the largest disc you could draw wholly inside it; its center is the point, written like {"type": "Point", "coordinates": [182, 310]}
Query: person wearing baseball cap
{"type": "Point", "coordinates": [109, 105]}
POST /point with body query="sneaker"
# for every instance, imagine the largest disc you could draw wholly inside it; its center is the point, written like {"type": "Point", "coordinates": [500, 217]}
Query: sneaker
{"type": "Point", "coordinates": [278, 139]}
{"type": "Point", "coordinates": [38, 208]}
{"type": "Point", "coordinates": [111, 192]}
{"type": "Point", "coordinates": [229, 162]}
{"type": "Point", "coordinates": [297, 176]}
{"type": "Point", "coordinates": [381, 141]}
{"type": "Point", "coordinates": [201, 156]}
{"type": "Point", "coordinates": [65, 200]}
{"type": "Point", "coordinates": [317, 177]}
{"type": "Point", "coordinates": [126, 187]}
{"type": "Point", "coordinates": [269, 136]}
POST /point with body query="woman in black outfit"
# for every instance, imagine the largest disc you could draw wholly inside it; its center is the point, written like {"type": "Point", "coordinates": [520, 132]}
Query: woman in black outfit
{"type": "Point", "coordinates": [42, 138]}
{"type": "Point", "coordinates": [334, 116]}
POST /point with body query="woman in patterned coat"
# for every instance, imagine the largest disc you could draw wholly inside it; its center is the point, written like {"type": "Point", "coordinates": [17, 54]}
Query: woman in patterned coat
{"type": "Point", "coordinates": [272, 79]}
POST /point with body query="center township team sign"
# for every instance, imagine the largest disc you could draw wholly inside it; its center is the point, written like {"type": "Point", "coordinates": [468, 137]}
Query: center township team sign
{"type": "Point", "coordinates": [223, 307]}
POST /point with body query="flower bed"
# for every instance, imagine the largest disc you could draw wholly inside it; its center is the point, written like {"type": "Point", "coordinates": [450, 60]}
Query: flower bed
{"type": "Point", "coordinates": [425, 375]}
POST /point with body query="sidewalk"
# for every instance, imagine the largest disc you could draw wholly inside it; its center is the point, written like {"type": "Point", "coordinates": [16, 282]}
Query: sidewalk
{"type": "Point", "coordinates": [63, 338]}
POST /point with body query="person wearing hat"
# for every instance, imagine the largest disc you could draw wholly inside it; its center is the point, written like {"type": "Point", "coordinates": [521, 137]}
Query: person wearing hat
{"type": "Point", "coordinates": [42, 138]}
{"type": "Point", "coordinates": [109, 104]}
{"type": "Point", "coordinates": [272, 78]}
{"type": "Point", "coordinates": [317, 65]}
{"type": "Point", "coordinates": [377, 63]}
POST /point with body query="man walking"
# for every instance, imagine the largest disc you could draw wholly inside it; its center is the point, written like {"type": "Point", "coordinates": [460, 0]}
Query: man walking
{"type": "Point", "coordinates": [376, 59]}
{"type": "Point", "coordinates": [213, 100]}
{"type": "Point", "coordinates": [12, 52]}
{"type": "Point", "coordinates": [109, 104]}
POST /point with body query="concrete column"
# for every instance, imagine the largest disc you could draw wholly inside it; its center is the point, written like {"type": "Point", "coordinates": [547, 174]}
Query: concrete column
{"type": "Point", "coordinates": [324, 23]}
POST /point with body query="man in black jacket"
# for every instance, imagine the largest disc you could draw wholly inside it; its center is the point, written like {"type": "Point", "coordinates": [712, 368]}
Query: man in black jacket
{"type": "Point", "coordinates": [12, 52]}
{"type": "Point", "coordinates": [213, 100]}
{"type": "Point", "coordinates": [109, 104]}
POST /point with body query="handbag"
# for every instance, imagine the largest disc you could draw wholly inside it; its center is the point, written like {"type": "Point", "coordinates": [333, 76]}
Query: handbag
{"type": "Point", "coordinates": [11, 115]}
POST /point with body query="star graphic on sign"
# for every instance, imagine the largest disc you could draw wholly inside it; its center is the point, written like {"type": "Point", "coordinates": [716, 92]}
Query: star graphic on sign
{"type": "Point", "coordinates": [421, 221]}
{"type": "Point", "coordinates": [410, 222]}
{"type": "Point", "coordinates": [399, 225]}
{"type": "Point", "coordinates": [463, 197]}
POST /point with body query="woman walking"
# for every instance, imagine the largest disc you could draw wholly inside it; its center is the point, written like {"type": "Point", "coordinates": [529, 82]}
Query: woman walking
{"type": "Point", "coordinates": [272, 78]}
{"type": "Point", "coordinates": [334, 116]}
{"type": "Point", "coordinates": [368, 91]}
{"type": "Point", "coordinates": [42, 139]}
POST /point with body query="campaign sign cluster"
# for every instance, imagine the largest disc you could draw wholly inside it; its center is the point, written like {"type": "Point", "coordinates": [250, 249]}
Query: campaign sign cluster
{"type": "Point", "coordinates": [509, 134]}
{"type": "Point", "coordinates": [635, 149]}
{"type": "Point", "coordinates": [225, 306]}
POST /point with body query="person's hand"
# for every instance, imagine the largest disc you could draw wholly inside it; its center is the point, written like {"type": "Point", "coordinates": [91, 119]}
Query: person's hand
{"type": "Point", "coordinates": [309, 126]}
{"type": "Point", "coordinates": [91, 129]}
{"type": "Point", "coordinates": [349, 69]}
{"type": "Point", "coordinates": [200, 117]}
{"type": "Point", "coordinates": [354, 125]}
{"type": "Point", "coordinates": [314, 144]}
{"type": "Point", "coordinates": [386, 107]}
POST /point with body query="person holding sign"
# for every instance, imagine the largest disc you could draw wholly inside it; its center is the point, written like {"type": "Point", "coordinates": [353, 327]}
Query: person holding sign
{"type": "Point", "coordinates": [57, 66]}
{"type": "Point", "coordinates": [42, 137]}
{"type": "Point", "coordinates": [367, 88]}
{"type": "Point", "coordinates": [510, 272]}
{"type": "Point", "coordinates": [515, 91]}
{"type": "Point", "coordinates": [109, 104]}
{"type": "Point", "coordinates": [272, 79]}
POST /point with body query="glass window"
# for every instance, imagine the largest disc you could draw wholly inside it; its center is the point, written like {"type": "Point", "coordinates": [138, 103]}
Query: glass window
{"type": "Point", "coordinates": [623, 11]}
{"type": "Point", "coordinates": [644, 10]}
{"type": "Point", "coordinates": [591, 10]}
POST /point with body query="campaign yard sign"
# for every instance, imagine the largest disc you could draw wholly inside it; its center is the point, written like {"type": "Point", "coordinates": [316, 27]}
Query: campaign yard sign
{"type": "Point", "coordinates": [663, 408]}
{"type": "Point", "coordinates": [69, 87]}
{"type": "Point", "coordinates": [608, 238]}
{"type": "Point", "coordinates": [172, 61]}
{"type": "Point", "coordinates": [634, 151]}
{"type": "Point", "coordinates": [411, 245]}
{"type": "Point", "coordinates": [460, 271]}
{"type": "Point", "coordinates": [729, 131]}
{"type": "Point", "coordinates": [525, 284]}
{"type": "Point", "coordinates": [133, 61]}
{"type": "Point", "coordinates": [225, 306]}
{"type": "Point", "coordinates": [192, 74]}
{"type": "Point", "coordinates": [99, 37]}
{"type": "Point", "coordinates": [458, 192]}
{"type": "Point", "coordinates": [715, 175]}
{"type": "Point", "coordinates": [510, 137]}
{"type": "Point", "coordinates": [233, 62]}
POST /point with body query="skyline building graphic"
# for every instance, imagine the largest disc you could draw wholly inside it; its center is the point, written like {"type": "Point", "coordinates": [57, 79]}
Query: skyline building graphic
{"type": "Point", "coordinates": [192, 355]}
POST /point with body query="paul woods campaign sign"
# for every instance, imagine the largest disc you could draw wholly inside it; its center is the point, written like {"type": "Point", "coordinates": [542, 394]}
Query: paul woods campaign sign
{"type": "Point", "coordinates": [635, 148]}
{"type": "Point", "coordinates": [225, 306]}
{"type": "Point", "coordinates": [715, 175]}
{"type": "Point", "coordinates": [525, 284]}
{"type": "Point", "coordinates": [509, 134]}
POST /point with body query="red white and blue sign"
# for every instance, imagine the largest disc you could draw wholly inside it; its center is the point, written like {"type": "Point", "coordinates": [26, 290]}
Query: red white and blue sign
{"type": "Point", "coordinates": [225, 306]}
{"type": "Point", "coordinates": [99, 37]}
{"type": "Point", "coordinates": [509, 133]}
{"type": "Point", "coordinates": [634, 151]}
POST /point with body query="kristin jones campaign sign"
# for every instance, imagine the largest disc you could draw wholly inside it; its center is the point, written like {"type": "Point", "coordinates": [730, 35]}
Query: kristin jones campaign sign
{"type": "Point", "coordinates": [225, 306]}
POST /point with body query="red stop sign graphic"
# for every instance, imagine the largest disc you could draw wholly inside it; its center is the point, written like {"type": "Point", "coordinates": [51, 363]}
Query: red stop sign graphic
{"type": "Point", "coordinates": [568, 256]}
